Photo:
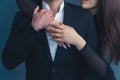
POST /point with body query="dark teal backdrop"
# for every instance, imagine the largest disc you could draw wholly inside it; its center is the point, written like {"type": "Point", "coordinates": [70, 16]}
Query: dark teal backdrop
{"type": "Point", "coordinates": [8, 8]}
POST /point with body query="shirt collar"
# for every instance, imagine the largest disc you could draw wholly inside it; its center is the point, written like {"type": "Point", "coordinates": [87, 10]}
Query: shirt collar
{"type": "Point", "coordinates": [46, 6]}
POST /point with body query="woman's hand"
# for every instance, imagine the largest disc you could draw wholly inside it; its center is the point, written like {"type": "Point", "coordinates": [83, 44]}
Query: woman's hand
{"type": "Point", "coordinates": [66, 34]}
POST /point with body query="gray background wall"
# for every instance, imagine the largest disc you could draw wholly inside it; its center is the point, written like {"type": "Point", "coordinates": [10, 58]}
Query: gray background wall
{"type": "Point", "coordinates": [8, 8]}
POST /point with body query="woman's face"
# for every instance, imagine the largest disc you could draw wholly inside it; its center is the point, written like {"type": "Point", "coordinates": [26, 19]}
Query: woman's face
{"type": "Point", "coordinates": [88, 4]}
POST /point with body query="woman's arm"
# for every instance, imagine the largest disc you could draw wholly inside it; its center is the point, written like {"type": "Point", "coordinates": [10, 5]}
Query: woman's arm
{"type": "Point", "coordinates": [28, 6]}
{"type": "Point", "coordinates": [105, 51]}
{"type": "Point", "coordinates": [64, 33]}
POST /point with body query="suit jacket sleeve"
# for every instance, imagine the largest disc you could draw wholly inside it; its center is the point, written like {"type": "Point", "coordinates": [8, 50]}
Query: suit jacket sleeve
{"type": "Point", "coordinates": [19, 43]}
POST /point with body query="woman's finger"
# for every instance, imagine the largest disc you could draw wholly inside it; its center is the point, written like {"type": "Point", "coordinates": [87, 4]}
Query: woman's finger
{"type": "Point", "coordinates": [59, 43]}
{"type": "Point", "coordinates": [55, 35]}
{"type": "Point", "coordinates": [54, 30]}
{"type": "Point", "coordinates": [56, 24]}
{"type": "Point", "coordinates": [63, 45]}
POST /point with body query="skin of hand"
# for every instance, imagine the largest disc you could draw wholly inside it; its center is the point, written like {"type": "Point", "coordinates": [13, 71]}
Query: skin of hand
{"type": "Point", "coordinates": [41, 19]}
{"type": "Point", "coordinates": [66, 34]}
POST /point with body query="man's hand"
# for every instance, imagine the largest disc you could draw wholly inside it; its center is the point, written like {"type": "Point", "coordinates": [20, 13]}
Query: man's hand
{"type": "Point", "coordinates": [41, 19]}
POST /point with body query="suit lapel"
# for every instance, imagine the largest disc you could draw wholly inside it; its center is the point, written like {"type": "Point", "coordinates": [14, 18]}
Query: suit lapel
{"type": "Point", "coordinates": [45, 44]}
{"type": "Point", "coordinates": [68, 14]}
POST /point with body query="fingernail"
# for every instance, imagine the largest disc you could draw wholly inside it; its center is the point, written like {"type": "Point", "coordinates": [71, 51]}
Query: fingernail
{"type": "Point", "coordinates": [60, 45]}
{"type": "Point", "coordinates": [47, 27]}
{"type": "Point", "coordinates": [65, 47]}
{"type": "Point", "coordinates": [61, 23]}
{"type": "Point", "coordinates": [68, 45]}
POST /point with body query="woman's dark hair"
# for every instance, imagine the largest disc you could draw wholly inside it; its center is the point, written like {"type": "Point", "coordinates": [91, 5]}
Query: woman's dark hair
{"type": "Point", "coordinates": [109, 19]}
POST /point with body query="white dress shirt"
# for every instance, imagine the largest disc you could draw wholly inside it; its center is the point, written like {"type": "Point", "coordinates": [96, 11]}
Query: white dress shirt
{"type": "Point", "coordinates": [58, 17]}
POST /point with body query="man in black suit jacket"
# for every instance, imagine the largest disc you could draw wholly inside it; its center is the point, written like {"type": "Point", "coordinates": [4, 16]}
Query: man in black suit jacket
{"type": "Point", "coordinates": [30, 44]}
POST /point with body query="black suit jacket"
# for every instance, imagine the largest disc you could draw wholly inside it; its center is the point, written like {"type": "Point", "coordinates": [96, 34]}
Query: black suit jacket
{"type": "Point", "coordinates": [25, 44]}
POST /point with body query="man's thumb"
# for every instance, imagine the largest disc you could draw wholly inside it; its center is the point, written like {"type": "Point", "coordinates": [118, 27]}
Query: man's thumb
{"type": "Point", "coordinates": [36, 10]}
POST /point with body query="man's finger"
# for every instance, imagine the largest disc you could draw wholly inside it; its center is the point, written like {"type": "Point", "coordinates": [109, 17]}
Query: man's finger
{"type": "Point", "coordinates": [36, 10]}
